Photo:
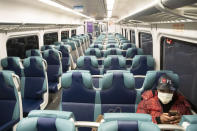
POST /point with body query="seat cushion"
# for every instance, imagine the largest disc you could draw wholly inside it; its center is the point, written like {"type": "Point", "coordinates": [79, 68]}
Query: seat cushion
{"type": "Point", "coordinates": [29, 105]}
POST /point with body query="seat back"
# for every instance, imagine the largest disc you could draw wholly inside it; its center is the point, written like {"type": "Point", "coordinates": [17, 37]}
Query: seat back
{"type": "Point", "coordinates": [152, 77]}
{"type": "Point", "coordinates": [65, 57]}
{"type": "Point", "coordinates": [131, 52]}
{"type": "Point", "coordinates": [118, 92]}
{"type": "Point", "coordinates": [88, 63]}
{"type": "Point", "coordinates": [9, 100]}
{"type": "Point", "coordinates": [141, 64]}
{"type": "Point", "coordinates": [77, 95]}
{"type": "Point", "coordinates": [33, 52]}
{"type": "Point", "coordinates": [46, 47]}
{"type": "Point", "coordinates": [93, 52]}
{"type": "Point", "coordinates": [74, 51]}
{"type": "Point", "coordinates": [112, 46]}
{"type": "Point", "coordinates": [128, 126]}
{"type": "Point", "coordinates": [126, 46]}
{"type": "Point", "coordinates": [99, 46]}
{"type": "Point", "coordinates": [34, 82]}
{"type": "Point", "coordinates": [47, 121]}
{"type": "Point", "coordinates": [112, 51]}
{"type": "Point", "coordinates": [13, 64]}
{"type": "Point", "coordinates": [54, 69]}
{"type": "Point", "coordinates": [114, 63]}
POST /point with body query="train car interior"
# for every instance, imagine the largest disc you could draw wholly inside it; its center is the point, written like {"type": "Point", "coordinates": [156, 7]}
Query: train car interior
{"type": "Point", "coordinates": [88, 65]}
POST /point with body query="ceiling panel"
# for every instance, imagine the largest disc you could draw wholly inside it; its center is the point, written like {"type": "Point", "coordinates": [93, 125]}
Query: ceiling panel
{"type": "Point", "coordinates": [92, 8]}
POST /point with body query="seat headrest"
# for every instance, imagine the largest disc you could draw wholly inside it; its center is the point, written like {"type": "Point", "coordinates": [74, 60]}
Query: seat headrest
{"type": "Point", "coordinates": [67, 79]}
{"type": "Point", "coordinates": [131, 52]}
{"type": "Point", "coordinates": [63, 49]}
{"type": "Point", "coordinates": [128, 126]}
{"type": "Point", "coordinates": [54, 56]}
{"type": "Point", "coordinates": [96, 51]}
{"type": "Point", "coordinates": [57, 43]}
{"type": "Point", "coordinates": [81, 61]}
{"type": "Point", "coordinates": [37, 66]}
{"type": "Point", "coordinates": [46, 47]}
{"type": "Point", "coordinates": [96, 46]}
{"type": "Point", "coordinates": [72, 44]}
{"type": "Point", "coordinates": [129, 81]}
{"type": "Point", "coordinates": [137, 59]}
{"type": "Point", "coordinates": [15, 60]}
{"type": "Point", "coordinates": [151, 79]}
{"type": "Point", "coordinates": [125, 46]}
{"type": "Point", "coordinates": [51, 114]}
{"type": "Point", "coordinates": [112, 51]}
{"type": "Point", "coordinates": [33, 52]}
{"type": "Point", "coordinates": [108, 60]}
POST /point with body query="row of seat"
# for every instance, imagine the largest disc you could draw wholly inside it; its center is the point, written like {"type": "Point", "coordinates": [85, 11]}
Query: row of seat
{"type": "Point", "coordinates": [59, 121]}
{"type": "Point", "coordinates": [117, 94]}
{"type": "Point", "coordinates": [47, 120]}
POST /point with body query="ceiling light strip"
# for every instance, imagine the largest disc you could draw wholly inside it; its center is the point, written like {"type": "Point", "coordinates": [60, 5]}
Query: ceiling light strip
{"type": "Point", "coordinates": [52, 3]}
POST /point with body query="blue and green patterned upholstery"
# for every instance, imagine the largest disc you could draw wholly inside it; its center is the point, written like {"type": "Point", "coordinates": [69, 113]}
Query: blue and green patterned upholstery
{"type": "Point", "coordinates": [54, 68]}
{"type": "Point", "coordinates": [72, 44]}
{"type": "Point", "coordinates": [127, 117]}
{"type": "Point", "coordinates": [128, 126]}
{"type": "Point", "coordinates": [122, 41]}
{"type": "Point", "coordinates": [131, 52]}
{"type": "Point", "coordinates": [89, 63]}
{"type": "Point", "coordinates": [99, 46]}
{"type": "Point", "coordinates": [151, 79]}
{"type": "Point", "coordinates": [112, 51]}
{"type": "Point", "coordinates": [118, 93]}
{"type": "Point", "coordinates": [47, 121]}
{"type": "Point", "coordinates": [141, 64]}
{"type": "Point", "coordinates": [112, 46]}
{"type": "Point", "coordinates": [190, 121]}
{"type": "Point", "coordinates": [94, 52]}
{"type": "Point", "coordinates": [46, 47]}
{"type": "Point", "coordinates": [114, 63]}
{"type": "Point", "coordinates": [65, 57]}
{"type": "Point", "coordinates": [78, 95]}
{"type": "Point", "coordinates": [33, 52]}
{"type": "Point", "coordinates": [57, 43]}
{"type": "Point", "coordinates": [9, 100]}
{"type": "Point", "coordinates": [126, 46]}
{"type": "Point", "coordinates": [13, 64]}
{"type": "Point", "coordinates": [33, 84]}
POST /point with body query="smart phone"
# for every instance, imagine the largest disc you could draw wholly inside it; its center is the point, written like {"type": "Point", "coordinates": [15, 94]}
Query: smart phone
{"type": "Point", "coordinates": [173, 112]}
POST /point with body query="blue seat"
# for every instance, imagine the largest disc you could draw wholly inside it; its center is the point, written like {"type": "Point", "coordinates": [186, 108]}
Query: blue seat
{"type": "Point", "coordinates": [46, 47]}
{"type": "Point", "coordinates": [54, 69]}
{"type": "Point", "coordinates": [99, 46]}
{"type": "Point", "coordinates": [141, 64]}
{"type": "Point", "coordinates": [112, 51]}
{"type": "Point", "coordinates": [152, 77]}
{"type": "Point", "coordinates": [47, 121]}
{"type": "Point", "coordinates": [131, 52]}
{"type": "Point", "coordinates": [94, 52]}
{"type": "Point", "coordinates": [74, 51]}
{"type": "Point", "coordinates": [10, 112]}
{"type": "Point", "coordinates": [34, 89]}
{"type": "Point", "coordinates": [115, 45]}
{"type": "Point", "coordinates": [114, 63]}
{"type": "Point", "coordinates": [65, 57]}
{"type": "Point", "coordinates": [13, 64]}
{"type": "Point", "coordinates": [89, 63]}
{"type": "Point", "coordinates": [33, 52]}
{"type": "Point", "coordinates": [126, 46]}
{"type": "Point", "coordinates": [78, 95]}
{"type": "Point", "coordinates": [118, 93]}
{"type": "Point", "coordinates": [189, 122]}
{"type": "Point", "coordinates": [128, 126]}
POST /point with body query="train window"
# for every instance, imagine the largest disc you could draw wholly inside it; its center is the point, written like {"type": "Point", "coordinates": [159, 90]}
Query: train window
{"type": "Point", "coordinates": [64, 35]}
{"type": "Point", "coordinates": [17, 46]}
{"type": "Point", "coordinates": [180, 57]}
{"type": "Point", "coordinates": [132, 36]}
{"type": "Point", "coordinates": [146, 43]}
{"type": "Point", "coordinates": [50, 38]}
{"type": "Point", "coordinates": [73, 33]}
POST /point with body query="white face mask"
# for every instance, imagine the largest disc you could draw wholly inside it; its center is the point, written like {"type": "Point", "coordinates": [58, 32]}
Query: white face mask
{"type": "Point", "coordinates": [165, 98]}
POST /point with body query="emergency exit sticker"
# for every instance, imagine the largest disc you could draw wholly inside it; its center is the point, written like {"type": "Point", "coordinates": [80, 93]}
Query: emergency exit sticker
{"type": "Point", "coordinates": [178, 27]}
